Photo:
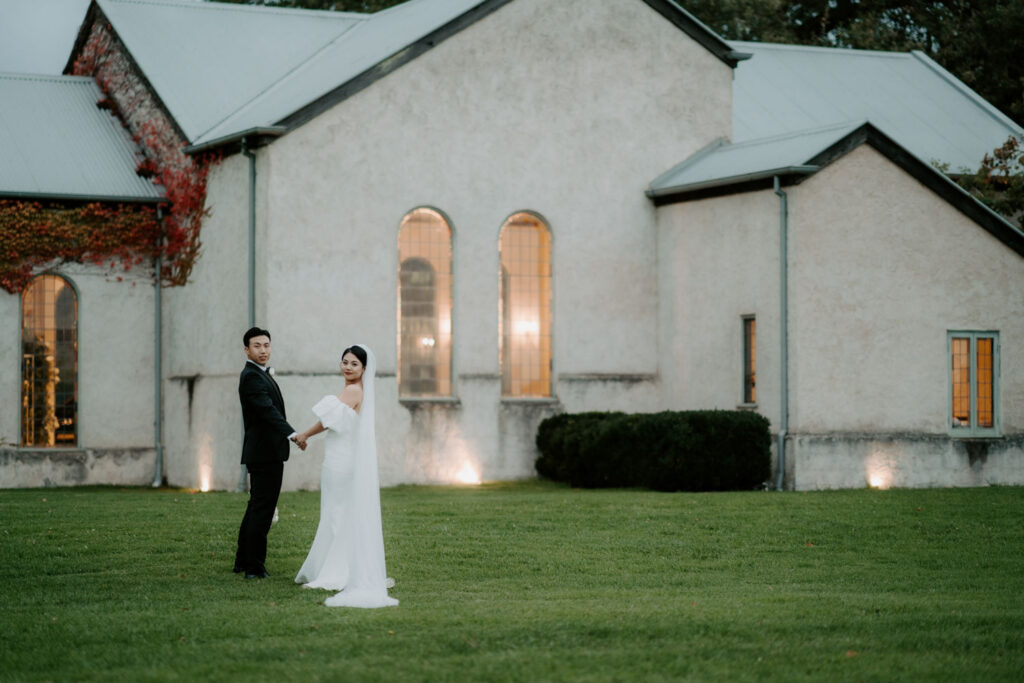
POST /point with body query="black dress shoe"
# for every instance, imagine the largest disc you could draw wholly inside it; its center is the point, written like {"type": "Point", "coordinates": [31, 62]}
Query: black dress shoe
{"type": "Point", "coordinates": [257, 575]}
{"type": "Point", "coordinates": [238, 570]}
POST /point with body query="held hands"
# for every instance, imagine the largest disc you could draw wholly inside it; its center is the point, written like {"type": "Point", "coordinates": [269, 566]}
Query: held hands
{"type": "Point", "coordinates": [300, 441]}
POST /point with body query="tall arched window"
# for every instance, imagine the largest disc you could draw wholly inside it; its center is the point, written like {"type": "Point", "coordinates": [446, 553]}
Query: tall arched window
{"type": "Point", "coordinates": [49, 363]}
{"type": "Point", "coordinates": [525, 300]}
{"type": "Point", "coordinates": [424, 305]}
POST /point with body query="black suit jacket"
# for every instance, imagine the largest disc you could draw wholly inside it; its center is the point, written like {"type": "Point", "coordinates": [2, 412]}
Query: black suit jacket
{"type": "Point", "coordinates": [266, 429]}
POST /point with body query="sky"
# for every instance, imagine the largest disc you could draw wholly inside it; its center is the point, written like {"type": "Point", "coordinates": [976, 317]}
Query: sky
{"type": "Point", "coordinates": [36, 36]}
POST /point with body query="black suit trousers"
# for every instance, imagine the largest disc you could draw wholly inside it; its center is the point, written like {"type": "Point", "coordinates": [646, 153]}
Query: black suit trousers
{"type": "Point", "coordinates": [264, 489]}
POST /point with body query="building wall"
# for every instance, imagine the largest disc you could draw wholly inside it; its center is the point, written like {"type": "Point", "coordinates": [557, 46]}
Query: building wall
{"type": "Point", "coordinates": [115, 387]}
{"type": "Point", "coordinates": [203, 350]}
{"type": "Point", "coordinates": [882, 269]}
{"type": "Point", "coordinates": [718, 260]}
{"type": "Point", "coordinates": [519, 111]}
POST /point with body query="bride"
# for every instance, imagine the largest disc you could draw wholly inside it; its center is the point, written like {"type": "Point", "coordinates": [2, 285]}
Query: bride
{"type": "Point", "coordinates": [348, 551]}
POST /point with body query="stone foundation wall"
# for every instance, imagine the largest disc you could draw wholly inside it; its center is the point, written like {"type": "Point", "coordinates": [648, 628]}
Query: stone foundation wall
{"type": "Point", "coordinates": [852, 460]}
{"type": "Point", "coordinates": [36, 468]}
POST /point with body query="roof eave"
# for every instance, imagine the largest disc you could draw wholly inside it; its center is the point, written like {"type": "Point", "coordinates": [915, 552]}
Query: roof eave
{"type": "Point", "coordinates": [700, 32]}
{"type": "Point", "coordinates": [230, 144]}
{"type": "Point", "coordinates": [727, 185]}
{"type": "Point", "coordinates": [65, 197]}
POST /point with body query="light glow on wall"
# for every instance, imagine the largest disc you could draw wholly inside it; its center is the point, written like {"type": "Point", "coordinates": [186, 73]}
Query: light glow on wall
{"type": "Point", "coordinates": [468, 474]}
{"type": "Point", "coordinates": [880, 470]}
{"type": "Point", "coordinates": [205, 453]}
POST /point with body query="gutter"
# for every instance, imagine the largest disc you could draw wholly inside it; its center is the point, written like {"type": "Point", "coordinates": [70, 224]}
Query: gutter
{"type": "Point", "coordinates": [665, 195]}
{"type": "Point", "coordinates": [780, 449]}
{"type": "Point", "coordinates": [249, 138]}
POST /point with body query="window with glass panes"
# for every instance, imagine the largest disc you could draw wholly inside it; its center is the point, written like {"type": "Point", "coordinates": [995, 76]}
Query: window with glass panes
{"type": "Point", "coordinates": [525, 307]}
{"type": "Point", "coordinates": [424, 305]}
{"type": "Point", "coordinates": [49, 363]}
{"type": "Point", "coordinates": [974, 383]}
{"type": "Point", "coordinates": [749, 359]}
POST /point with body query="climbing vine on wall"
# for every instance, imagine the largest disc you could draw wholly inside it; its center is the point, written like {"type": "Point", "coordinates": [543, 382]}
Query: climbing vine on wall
{"type": "Point", "coordinates": [35, 235]}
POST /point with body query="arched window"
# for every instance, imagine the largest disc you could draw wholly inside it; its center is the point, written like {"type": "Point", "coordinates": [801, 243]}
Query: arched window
{"type": "Point", "coordinates": [525, 300]}
{"type": "Point", "coordinates": [49, 363]}
{"type": "Point", "coordinates": [424, 305]}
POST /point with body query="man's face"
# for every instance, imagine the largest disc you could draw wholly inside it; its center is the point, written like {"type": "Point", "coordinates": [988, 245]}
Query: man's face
{"type": "Point", "coordinates": [258, 349]}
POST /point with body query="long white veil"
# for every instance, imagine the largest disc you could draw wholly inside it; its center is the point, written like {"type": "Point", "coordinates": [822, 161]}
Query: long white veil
{"type": "Point", "coordinates": [367, 585]}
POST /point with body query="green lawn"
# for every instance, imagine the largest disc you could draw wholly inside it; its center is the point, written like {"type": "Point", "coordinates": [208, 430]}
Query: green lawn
{"type": "Point", "coordinates": [524, 582]}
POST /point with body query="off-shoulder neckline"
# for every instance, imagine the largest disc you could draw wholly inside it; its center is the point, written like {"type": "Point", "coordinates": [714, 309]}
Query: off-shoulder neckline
{"type": "Point", "coordinates": [342, 403]}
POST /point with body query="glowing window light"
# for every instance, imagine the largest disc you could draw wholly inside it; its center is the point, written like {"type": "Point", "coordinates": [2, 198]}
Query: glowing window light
{"type": "Point", "coordinates": [525, 305]}
{"type": "Point", "coordinates": [424, 304]}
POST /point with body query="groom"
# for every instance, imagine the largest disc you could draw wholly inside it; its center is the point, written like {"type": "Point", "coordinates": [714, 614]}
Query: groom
{"type": "Point", "coordinates": [264, 450]}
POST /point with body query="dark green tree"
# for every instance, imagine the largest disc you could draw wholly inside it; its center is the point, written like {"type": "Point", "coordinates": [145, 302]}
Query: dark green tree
{"type": "Point", "coordinates": [999, 182]}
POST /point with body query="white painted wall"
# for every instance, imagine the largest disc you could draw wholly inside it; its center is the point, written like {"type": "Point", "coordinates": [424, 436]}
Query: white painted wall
{"type": "Point", "coordinates": [568, 109]}
{"type": "Point", "coordinates": [883, 268]}
{"type": "Point", "coordinates": [10, 368]}
{"type": "Point", "coordinates": [880, 268]}
{"type": "Point", "coordinates": [115, 384]}
{"type": "Point", "coordinates": [203, 350]}
{"type": "Point", "coordinates": [718, 260]}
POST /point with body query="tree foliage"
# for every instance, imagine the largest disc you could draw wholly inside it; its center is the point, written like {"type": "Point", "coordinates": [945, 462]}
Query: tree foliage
{"type": "Point", "coordinates": [999, 183]}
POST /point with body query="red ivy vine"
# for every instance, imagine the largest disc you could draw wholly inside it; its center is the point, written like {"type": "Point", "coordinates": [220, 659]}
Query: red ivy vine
{"type": "Point", "coordinates": [36, 235]}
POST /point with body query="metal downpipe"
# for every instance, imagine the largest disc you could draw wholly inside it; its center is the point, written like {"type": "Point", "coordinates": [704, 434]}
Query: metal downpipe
{"type": "Point", "coordinates": [252, 265]}
{"type": "Point", "coordinates": [780, 449]}
{"type": "Point", "coordinates": [158, 371]}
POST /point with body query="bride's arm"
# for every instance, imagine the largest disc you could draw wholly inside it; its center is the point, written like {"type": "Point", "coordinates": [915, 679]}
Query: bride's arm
{"type": "Point", "coordinates": [312, 431]}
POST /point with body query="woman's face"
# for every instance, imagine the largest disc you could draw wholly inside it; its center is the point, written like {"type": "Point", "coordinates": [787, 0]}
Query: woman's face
{"type": "Point", "coordinates": [351, 367]}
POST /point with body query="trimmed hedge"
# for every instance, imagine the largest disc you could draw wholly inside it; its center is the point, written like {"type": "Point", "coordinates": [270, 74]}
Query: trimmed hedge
{"type": "Point", "coordinates": [702, 450]}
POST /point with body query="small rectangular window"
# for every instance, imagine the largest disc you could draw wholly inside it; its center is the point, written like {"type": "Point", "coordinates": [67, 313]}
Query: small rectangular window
{"type": "Point", "coordinates": [749, 359]}
{"type": "Point", "coordinates": [974, 383]}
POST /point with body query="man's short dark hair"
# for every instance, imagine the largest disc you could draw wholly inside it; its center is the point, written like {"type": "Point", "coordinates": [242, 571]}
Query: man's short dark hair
{"type": "Point", "coordinates": [254, 332]}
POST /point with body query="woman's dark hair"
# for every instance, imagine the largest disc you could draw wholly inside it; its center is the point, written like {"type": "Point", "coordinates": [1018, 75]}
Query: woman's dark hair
{"type": "Point", "coordinates": [254, 332]}
{"type": "Point", "coordinates": [356, 351]}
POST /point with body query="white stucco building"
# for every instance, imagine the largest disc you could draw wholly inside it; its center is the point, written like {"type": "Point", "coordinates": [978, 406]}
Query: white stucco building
{"type": "Point", "coordinates": [527, 207]}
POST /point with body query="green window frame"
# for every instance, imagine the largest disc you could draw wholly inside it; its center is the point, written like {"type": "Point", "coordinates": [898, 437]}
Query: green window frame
{"type": "Point", "coordinates": [973, 371]}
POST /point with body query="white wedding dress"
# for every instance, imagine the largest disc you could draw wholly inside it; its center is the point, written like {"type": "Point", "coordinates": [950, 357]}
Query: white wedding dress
{"type": "Point", "coordinates": [348, 550]}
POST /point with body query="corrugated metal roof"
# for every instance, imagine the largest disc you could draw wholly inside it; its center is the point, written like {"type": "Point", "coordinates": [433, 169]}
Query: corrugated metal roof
{"type": "Point", "coordinates": [788, 88]}
{"type": "Point", "coordinates": [722, 163]}
{"type": "Point", "coordinates": [378, 38]}
{"type": "Point", "coordinates": [206, 60]}
{"type": "Point", "coordinates": [224, 69]}
{"type": "Point", "coordinates": [55, 142]}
